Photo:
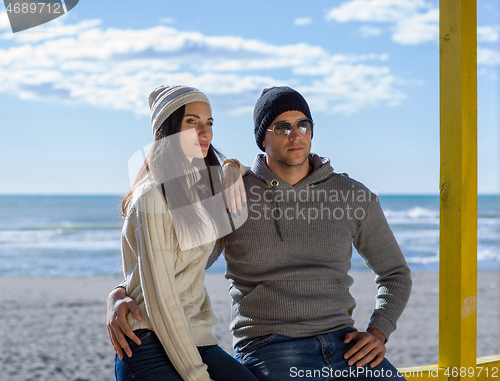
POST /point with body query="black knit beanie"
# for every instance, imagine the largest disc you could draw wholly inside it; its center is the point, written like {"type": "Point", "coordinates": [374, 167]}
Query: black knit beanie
{"type": "Point", "coordinates": [273, 102]}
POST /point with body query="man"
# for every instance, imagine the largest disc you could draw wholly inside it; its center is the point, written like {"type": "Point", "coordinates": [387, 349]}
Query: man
{"type": "Point", "coordinates": [288, 263]}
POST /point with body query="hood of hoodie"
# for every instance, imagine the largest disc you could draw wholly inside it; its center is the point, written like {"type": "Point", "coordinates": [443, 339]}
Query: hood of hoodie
{"type": "Point", "coordinates": [322, 170]}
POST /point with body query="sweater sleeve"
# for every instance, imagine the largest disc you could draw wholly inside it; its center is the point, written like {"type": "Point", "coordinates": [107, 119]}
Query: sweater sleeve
{"type": "Point", "coordinates": [376, 243]}
{"type": "Point", "coordinates": [154, 234]}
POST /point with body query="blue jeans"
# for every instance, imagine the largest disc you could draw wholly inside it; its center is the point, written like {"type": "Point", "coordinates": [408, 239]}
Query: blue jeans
{"type": "Point", "coordinates": [278, 358]}
{"type": "Point", "coordinates": [149, 361]}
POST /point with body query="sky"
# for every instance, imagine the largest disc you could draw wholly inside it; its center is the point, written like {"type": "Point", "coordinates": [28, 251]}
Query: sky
{"type": "Point", "coordinates": [73, 92]}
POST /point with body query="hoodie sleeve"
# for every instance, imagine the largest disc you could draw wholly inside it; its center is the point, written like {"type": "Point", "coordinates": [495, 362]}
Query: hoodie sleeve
{"type": "Point", "coordinates": [375, 242]}
{"type": "Point", "coordinates": [215, 254]}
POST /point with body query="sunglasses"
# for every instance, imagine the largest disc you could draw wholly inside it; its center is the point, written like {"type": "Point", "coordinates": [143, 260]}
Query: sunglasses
{"type": "Point", "coordinates": [283, 129]}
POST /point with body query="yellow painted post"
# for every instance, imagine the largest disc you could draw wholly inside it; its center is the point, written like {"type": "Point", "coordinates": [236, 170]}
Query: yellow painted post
{"type": "Point", "coordinates": [458, 190]}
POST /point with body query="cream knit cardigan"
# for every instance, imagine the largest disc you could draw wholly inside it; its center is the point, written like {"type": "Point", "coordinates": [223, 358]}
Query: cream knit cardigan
{"type": "Point", "coordinates": [167, 283]}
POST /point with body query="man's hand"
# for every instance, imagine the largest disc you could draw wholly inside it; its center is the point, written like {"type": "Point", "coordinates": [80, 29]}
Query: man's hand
{"type": "Point", "coordinates": [369, 345]}
{"type": "Point", "coordinates": [234, 189]}
{"type": "Point", "coordinates": [119, 305]}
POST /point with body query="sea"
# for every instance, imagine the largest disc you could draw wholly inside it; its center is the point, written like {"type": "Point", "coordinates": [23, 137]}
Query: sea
{"type": "Point", "coordinates": [69, 236]}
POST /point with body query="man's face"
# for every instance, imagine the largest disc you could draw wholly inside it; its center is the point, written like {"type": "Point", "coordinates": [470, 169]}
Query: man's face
{"type": "Point", "coordinates": [291, 150]}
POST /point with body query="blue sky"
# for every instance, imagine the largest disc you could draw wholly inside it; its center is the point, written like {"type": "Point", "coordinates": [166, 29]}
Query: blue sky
{"type": "Point", "coordinates": [73, 91]}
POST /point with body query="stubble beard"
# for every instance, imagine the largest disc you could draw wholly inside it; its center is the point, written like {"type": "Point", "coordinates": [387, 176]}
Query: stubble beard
{"type": "Point", "coordinates": [288, 165]}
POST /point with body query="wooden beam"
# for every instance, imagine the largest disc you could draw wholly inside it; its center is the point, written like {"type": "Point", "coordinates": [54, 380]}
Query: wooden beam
{"type": "Point", "coordinates": [487, 369]}
{"type": "Point", "coordinates": [458, 190]}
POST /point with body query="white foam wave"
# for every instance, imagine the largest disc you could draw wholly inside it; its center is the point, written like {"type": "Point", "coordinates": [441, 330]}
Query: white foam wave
{"type": "Point", "coordinates": [416, 234]}
{"type": "Point", "coordinates": [94, 245]}
{"type": "Point", "coordinates": [12, 241]}
{"type": "Point", "coordinates": [9, 236]}
{"type": "Point", "coordinates": [413, 213]}
{"type": "Point", "coordinates": [495, 222]}
{"type": "Point", "coordinates": [488, 254]}
{"type": "Point", "coordinates": [423, 260]}
{"type": "Point", "coordinates": [27, 236]}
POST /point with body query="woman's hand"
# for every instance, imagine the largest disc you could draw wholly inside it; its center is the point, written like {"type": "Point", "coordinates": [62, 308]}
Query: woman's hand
{"type": "Point", "coordinates": [234, 189]}
{"type": "Point", "coordinates": [118, 306]}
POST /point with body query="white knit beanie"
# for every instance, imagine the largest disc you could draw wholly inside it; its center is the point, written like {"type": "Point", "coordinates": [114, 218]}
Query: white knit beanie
{"type": "Point", "coordinates": [164, 100]}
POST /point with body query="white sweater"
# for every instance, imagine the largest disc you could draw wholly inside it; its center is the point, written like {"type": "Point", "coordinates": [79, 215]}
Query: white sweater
{"type": "Point", "coordinates": [167, 283]}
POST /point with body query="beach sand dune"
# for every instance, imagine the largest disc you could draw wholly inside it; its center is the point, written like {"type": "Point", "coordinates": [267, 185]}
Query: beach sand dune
{"type": "Point", "coordinates": [54, 328]}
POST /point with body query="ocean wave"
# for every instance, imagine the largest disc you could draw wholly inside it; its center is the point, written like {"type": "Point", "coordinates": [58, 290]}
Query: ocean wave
{"type": "Point", "coordinates": [423, 260]}
{"type": "Point", "coordinates": [491, 221]}
{"type": "Point", "coordinates": [413, 213]}
{"type": "Point", "coordinates": [91, 245]}
{"type": "Point", "coordinates": [412, 234]}
{"type": "Point", "coordinates": [431, 222]}
{"type": "Point", "coordinates": [9, 236]}
{"type": "Point", "coordinates": [41, 236]}
{"type": "Point", "coordinates": [488, 254]}
{"type": "Point", "coordinates": [424, 215]}
{"type": "Point", "coordinates": [63, 227]}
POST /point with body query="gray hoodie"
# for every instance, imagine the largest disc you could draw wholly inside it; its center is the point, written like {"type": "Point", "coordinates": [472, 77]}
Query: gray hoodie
{"type": "Point", "coordinates": [288, 263]}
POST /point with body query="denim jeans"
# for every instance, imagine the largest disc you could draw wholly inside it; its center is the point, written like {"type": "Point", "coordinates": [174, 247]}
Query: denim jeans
{"type": "Point", "coordinates": [278, 358]}
{"type": "Point", "coordinates": [149, 361]}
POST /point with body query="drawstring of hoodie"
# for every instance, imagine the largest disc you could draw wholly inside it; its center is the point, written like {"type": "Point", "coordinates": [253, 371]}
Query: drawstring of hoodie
{"type": "Point", "coordinates": [274, 184]}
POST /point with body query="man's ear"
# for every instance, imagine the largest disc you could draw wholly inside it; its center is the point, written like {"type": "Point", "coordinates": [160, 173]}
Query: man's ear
{"type": "Point", "coordinates": [264, 143]}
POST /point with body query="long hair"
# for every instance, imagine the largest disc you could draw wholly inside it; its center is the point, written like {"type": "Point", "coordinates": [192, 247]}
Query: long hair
{"type": "Point", "coordinates": [183, 183]}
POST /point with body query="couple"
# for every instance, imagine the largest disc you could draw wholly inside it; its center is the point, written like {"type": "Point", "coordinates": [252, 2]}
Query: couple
{"type": "Point", "coordinates": [287, 263]}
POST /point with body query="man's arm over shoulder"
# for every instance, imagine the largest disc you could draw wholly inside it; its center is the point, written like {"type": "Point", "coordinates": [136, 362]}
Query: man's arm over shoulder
{"type": "Point", "coordinates": [234, 188]}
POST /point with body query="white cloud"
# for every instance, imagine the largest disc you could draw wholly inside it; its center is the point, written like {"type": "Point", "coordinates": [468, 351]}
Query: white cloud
{"type": "Point", "coordinates": [167, 20]}
{"type": "Point", "coordinates": [302, 21]}
{"type": "Point", "coordinates": [115, 68]}
{"type": "Point", "coordinates": [414, 22]}
{"type": "Point", "coordinates": [55, 29]}
{"type": "Point", "coordinates": [489, 73]}
{"type": "Point", "coordinates": [488, 57]}
{"type": "Point", "coordinates": [418, 29]}
{"type": "Point", "coordinates": [377, 10]}
{"type": "Point", "coordinates": [369, 31]}
{"type": "Point", "coordinates": [488, 33]}
{"type": "Point", "coordinates": [339, 84]}
{"type": "Point", "coordinates": [4, 21]}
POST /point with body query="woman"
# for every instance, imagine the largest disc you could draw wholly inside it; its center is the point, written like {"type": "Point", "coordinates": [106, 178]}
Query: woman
{"type": "Point", "coordinates": [171, 222]}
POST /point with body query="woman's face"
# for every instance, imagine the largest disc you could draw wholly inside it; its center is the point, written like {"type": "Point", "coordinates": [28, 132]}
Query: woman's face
{"type": "Point", "coordinates": [196, 130]}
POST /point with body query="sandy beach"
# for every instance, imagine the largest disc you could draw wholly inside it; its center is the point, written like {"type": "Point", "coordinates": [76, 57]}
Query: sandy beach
{"type": "Point", "coordinates": [54, 328]}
